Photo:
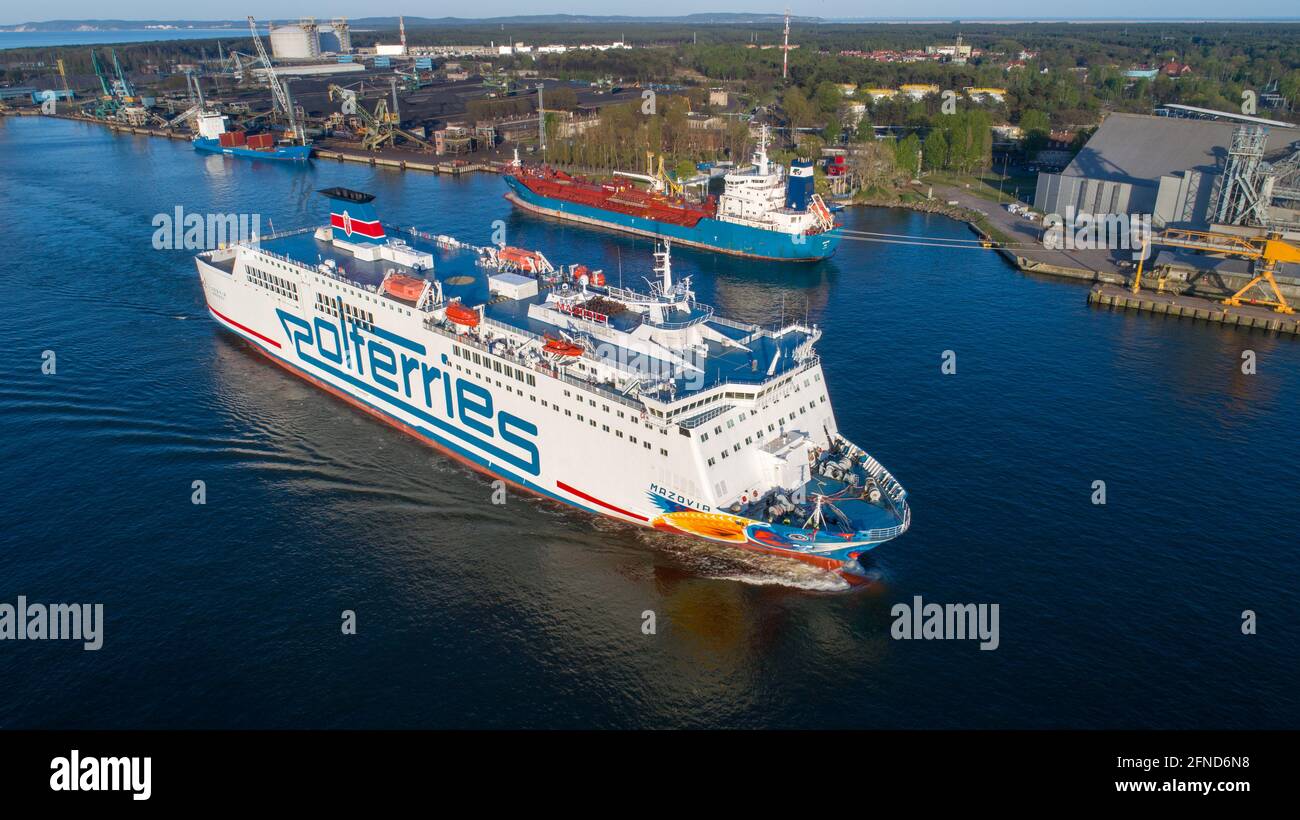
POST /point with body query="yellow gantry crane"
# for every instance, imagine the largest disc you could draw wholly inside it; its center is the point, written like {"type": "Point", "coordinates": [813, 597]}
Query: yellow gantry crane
{"type": "Point", "coordinates": [1265, 252]}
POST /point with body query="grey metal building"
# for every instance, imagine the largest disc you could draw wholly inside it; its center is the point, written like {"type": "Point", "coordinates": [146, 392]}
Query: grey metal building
{"type": "Point", "coordinates": [1136, 164]}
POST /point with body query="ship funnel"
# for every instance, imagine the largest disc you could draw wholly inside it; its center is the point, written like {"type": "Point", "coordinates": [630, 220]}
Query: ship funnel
{"type": "Point", "coordinates": [799, 185]}
{"type": "Point", "coordinates": [352, 217]}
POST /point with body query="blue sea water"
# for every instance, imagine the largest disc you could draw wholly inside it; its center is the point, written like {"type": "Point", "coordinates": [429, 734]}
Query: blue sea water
{"type": "Point", "coordinates": [472, 615]}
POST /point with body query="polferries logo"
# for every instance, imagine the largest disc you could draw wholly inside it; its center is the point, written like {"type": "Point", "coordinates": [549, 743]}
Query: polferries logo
{"type": "Point", "coordinates": [347, 223]}
{"type": "Point", "coordinates": [393, 373]}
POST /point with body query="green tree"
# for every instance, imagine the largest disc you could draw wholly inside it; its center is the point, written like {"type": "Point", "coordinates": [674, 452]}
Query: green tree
{"type": "Point", "coordinates": [905, 155]}
{"type": "Point", "coordinates": [797, 108]}
{"type": "Point", "coordinates": [935, 154]}
{"type": "Point", "coordinates": [865, 132]}
{"type": "Point", "coordinates": [831, 133]}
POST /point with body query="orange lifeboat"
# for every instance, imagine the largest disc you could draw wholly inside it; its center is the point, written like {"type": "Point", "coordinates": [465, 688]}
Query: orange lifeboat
{"type": "Point", "coordinates": [461, 315]}
{"type": "Point", "coordinates": [404, 287]}
{"type": "Point", "coordinates": [526, 259]}
{"type": "Point", "coordinates": [598, 278]}
{"type": "Point", "coordinates": [560, 347]}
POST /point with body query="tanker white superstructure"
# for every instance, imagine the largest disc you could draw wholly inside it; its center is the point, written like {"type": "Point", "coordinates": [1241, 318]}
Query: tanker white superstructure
{"type": "Point", "coordinates": [640, 405]}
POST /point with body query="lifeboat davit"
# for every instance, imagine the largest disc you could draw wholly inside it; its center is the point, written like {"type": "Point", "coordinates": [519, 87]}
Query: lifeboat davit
{"type": "Point", "coordinates": [560, 347]}
{"type": "Point", "coordinates": [404, 287]}
{"type": "Point", "coordinates": [458, 314]}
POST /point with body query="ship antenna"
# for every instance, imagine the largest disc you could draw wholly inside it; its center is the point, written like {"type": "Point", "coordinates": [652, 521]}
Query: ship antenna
{"type": "Point", "coordinates": [665, 266]}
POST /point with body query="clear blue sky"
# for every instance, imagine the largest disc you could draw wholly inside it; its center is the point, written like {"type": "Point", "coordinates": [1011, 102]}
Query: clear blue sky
{"type": "Point", "coordinates": [954, 9]}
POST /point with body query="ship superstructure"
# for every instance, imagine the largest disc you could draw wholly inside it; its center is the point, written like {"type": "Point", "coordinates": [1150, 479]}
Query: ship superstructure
{"type": "Point", "coordinates": [761, 213]}
{"type": "Point", "coordinates": [637, 403]}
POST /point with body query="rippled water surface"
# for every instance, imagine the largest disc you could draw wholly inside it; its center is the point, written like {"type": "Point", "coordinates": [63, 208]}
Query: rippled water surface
{"type": "Point", "coordinates": [530, 614]}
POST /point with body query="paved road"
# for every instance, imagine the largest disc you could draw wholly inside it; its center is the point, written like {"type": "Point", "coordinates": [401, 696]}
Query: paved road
{"type": "Point", "coordinates": [1029, 236]}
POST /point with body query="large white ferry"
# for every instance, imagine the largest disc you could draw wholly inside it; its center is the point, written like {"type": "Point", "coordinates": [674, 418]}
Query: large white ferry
{"type": "Point", "coordinates": [642, 405]}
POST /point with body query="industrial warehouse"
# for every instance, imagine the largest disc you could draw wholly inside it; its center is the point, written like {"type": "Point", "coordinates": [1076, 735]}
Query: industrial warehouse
{"type": "Point", "coordinates": [1185, 171]}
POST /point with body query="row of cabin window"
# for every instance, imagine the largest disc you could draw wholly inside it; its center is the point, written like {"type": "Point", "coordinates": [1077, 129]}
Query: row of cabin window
{"type": "Point", "coordinates": [509, 370]}
{"type": "Point", "coordinates": [364, 318]}
{"type": "Point", "coordinates": [731, 423]}
{"type": "Point", "coordinates": [771, 428]}
{"type": "Point", "coordinates": [485, 361]}
{"type": "Point", "coordinates": [396, 308]}
{"type": "Point", "coordinates": [273, 283]}
{"type": "Point", "coordinates": [289, 290]}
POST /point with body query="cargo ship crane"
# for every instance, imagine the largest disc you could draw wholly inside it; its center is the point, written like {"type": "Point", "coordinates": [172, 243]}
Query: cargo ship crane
{"type": "Point", "coordinates": [1264, 252]}
{"type": "Point", "coordinates": [277, 90]}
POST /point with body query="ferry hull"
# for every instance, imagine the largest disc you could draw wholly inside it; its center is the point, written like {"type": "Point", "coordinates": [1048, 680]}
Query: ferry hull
{"type": "Point", "coordinates": [708, 234]}
{"type": "Point", "coordinates": [842, 561]}
{"type": "Point", "coordinates": [281, 153]}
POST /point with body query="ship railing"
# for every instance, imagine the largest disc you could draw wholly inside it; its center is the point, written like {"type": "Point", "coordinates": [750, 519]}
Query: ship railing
{"type": "Point", "coordinates": [708, 415]}
{"type": "Point", "coordinates": [267, 237]}
{"type": "Point", "coordinates": [888, 484]}
{"type": "Point", "coordinates": [886, 533]}
{"type": "Point", "coordinates": [708, 314]}
{"type": "Point", "coordinates": [594, 360]}
{"type": "Point", "coordinates": [757, 382]}
{"type": "Point", "coordinates": [584, 384]}
{"type": "Point", "coordinates": [732, 323]}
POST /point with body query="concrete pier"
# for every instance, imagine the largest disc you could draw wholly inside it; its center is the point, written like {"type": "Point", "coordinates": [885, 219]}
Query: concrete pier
{"type": "Point", "coordinates": [1194, 307]}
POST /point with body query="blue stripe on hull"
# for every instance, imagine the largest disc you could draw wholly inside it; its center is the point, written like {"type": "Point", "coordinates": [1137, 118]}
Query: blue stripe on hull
{"type": "Point", "coordinates": [710, 234]}
{"type": "Point", "coordinates": [282, 153]}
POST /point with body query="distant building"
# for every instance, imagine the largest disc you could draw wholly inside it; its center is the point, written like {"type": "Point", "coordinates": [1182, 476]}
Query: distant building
{"type": "Point", "coordinates": [918, 91]}
{"type": "Point", "coordinates": [718, 97]}
{"type": "Point", "coordinates": [986, 94]}
{"type": "Point", "coordinates": [957, 53]}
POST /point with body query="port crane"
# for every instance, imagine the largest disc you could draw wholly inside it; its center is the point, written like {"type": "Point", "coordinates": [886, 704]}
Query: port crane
{"type": "Point", "coordinates": [192, 84]}
{"type": "Point", "coordinates": [378, 128]}
{"type": "Point", "coordinates": [277, 89]}
{"type": "Point", "coordinates": [1265, 253]}
{"type": "Point", "coordinates": [108, 104]}
{"type": "Point", "coordinates": [128, 95]}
